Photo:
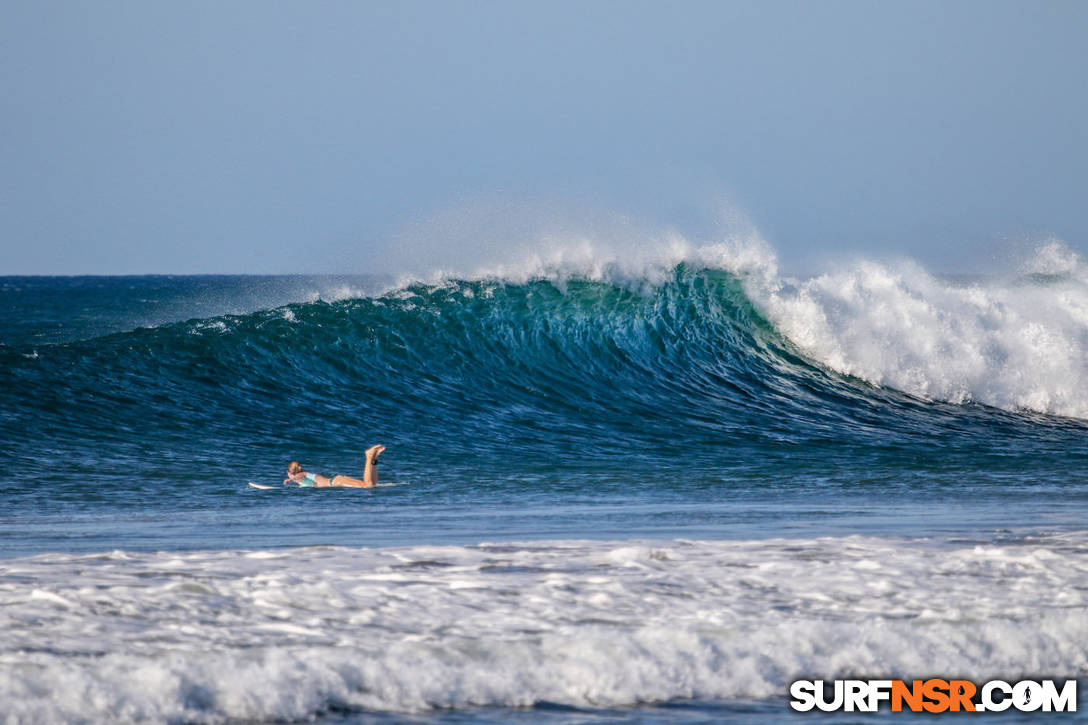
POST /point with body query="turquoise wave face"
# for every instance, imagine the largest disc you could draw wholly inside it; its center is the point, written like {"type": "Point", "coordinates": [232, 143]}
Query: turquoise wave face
{"type": "Point", "coordinates": [544, 386]}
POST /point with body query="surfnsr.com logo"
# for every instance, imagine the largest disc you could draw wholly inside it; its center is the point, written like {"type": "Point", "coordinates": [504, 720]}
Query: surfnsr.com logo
{"type": "Point", "coordinates": [934, 695]}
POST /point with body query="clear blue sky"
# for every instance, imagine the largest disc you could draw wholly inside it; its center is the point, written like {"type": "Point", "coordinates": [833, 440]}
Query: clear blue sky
{"type": "Point", "coordinates": [220, 136]}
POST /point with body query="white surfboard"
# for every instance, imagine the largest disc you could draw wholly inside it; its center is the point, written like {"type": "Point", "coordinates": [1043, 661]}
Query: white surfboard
{"type": "Point", "coordinates": [263, 487]}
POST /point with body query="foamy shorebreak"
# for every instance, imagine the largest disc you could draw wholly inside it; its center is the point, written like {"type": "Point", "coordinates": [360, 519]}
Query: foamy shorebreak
{"type": "Point", "coordinates": [287, 634]}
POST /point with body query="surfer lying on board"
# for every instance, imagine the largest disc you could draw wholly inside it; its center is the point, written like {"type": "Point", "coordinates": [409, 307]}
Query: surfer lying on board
{"type": "Point", "coordinates": [296, 474]}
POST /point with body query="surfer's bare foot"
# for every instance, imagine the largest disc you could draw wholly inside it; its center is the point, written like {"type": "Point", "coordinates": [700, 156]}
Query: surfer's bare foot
{"type": "Point", "coordinates": [373, 452]}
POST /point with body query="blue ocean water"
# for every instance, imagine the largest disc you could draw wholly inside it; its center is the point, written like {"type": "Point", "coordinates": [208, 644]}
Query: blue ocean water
{"type": "Point", "coordinates": [606, 496]}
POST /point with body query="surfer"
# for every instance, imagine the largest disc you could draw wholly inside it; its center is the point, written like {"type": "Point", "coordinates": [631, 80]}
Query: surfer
{"type": "Point", "coordinates": [296, 474]}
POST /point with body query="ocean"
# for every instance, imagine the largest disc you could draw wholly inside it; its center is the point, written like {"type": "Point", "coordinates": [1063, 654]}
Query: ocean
{"type": "Point", "coordinates": [616, 490]}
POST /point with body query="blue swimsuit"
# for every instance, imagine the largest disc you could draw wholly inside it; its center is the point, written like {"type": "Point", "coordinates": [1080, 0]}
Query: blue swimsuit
{"type": "Point", "coordinates": [310, 480]}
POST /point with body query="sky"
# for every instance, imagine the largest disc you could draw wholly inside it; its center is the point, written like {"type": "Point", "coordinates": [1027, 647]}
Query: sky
{"type": "Point", "coordinates": [276, 137]}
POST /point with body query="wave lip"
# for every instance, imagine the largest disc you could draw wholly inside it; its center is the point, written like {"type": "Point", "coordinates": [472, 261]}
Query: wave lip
{"type": "Point", "coordinates": [292, 634]}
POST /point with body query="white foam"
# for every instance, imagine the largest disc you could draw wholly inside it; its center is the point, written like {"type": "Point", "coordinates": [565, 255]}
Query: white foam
{"type": "Point", "coordinates": [232, 635]}
{"type": "Point", "coordinates": [1017, 344]}
{"type": "Point", "coordinates": [650, 262]}
{"type": "Point", "coordinates": [341, 292]}
{"type": "Point", "coordinates": [1052, 256]}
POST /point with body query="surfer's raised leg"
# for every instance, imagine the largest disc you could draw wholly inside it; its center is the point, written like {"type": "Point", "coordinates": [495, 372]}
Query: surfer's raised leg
{"type": "Point", "coordinates": [370, 473]}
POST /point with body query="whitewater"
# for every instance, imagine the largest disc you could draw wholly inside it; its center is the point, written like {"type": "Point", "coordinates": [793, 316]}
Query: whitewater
{"type": "Point", "coordinates": [652, 483]}
{"type": "Point", "coordinates": [290, 634]}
